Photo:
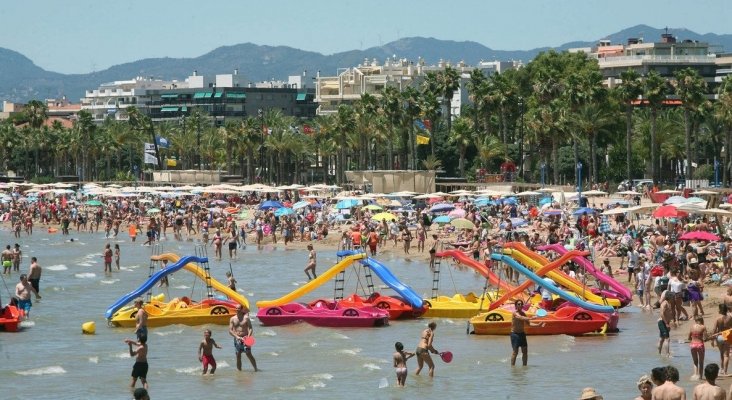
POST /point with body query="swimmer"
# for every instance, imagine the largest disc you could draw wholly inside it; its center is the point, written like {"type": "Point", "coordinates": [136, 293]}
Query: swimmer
{"type": "Point", "coordinates": [205, 352]}
{"type": "Point", "coordinates": [400, 363]}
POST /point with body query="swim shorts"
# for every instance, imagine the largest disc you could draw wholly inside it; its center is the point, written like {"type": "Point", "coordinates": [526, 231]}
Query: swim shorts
{"type": "Point", "coordinates": [25, 305]}
{"type": "Point", "coordinates": [518, 340]}
{"type": "Point", "coordinates": [142, 332]}
{"type": "Point", "coordinates": [663, 330]}
{"type": "Point", "coordinates": [36, 284]}
{"type": "Point", "coordinates": [239, 346]}
{"type": "Point", "coordinates": [232, 245]}
{"type": "Point", "coordinates": [139, 370]}
{"type": "Point", "coordinates": [208, 360]}
{"type": "Point", "coordinates": [7, 264]}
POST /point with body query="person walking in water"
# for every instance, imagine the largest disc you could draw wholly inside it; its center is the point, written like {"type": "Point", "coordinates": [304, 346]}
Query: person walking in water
{"type": "Point", "coordinates": [240, 327]}
{"type": "Point", "coordinates": [312, 262]}
{"type": "Point", "coordinates": [519, 321]}
{"type": "Point", "coordinates": [424, 348]}
{"type": "Point", "coordinates": [139, 370]}
{"type": "Point", "coordinates": [34, 275]}
{"type": "Point", "coordinates": [107, 258]}
{"type": "Point", "coordinates": [400, 363]}
{"type": "Point", "coordinates": [140, 320]}
{"type": "Point", "coordinates": [205, 352]}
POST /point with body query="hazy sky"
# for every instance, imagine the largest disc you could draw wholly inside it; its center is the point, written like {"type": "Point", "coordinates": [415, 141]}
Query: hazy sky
{"type": "Point", "coordinates": [78, 36]}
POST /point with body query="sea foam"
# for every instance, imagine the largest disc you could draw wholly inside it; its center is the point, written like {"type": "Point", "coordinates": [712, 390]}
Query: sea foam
{"type": "Point", "coordinates": [59, 267]}
{"type": "Point", "coordinates": [53, 370]}
{"type": "Point", "coordinates": [85, 275]}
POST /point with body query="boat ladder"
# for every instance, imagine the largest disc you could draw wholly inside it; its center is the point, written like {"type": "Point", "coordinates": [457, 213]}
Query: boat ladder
{"type": "Point", "coordinates": [202, 253]}
{"type": "Point", "coordinates": [369, 280]}
{"type": "Point", "coordinates": [436, 277]}
{"type": "Point", "coordinates": [340, 281]}
{"type": "Point", "coordinates": [156, 249]}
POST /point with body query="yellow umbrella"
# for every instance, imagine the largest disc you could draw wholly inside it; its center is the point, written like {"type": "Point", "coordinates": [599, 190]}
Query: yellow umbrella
{"type": "Point", "coordinates": [384, 216]}
{"type": "Point", "coordinates": [372, 207]}
{"type": "Point", "coordinates": [462, 223]}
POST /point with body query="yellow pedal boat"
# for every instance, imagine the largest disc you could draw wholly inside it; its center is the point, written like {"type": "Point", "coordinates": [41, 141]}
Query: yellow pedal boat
{"type": "Point", "coordinates": [178, 311]}
{"type": "Point", "coordinates": [457, 306]}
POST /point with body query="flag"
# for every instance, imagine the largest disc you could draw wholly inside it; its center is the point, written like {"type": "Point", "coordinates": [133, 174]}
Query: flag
{"type": "Point", "coordinates": [150, 159]}
{"type": "Point", "coordinates": [419, 124]}
{"type": "Point", "coordinates": [162, 142]}
{"type": "Point", "coordinates": [423, 139]}
{"type": "Point", "coordinates": [307, 129]}
{"type": "Point", "coordinates": [427, 124]}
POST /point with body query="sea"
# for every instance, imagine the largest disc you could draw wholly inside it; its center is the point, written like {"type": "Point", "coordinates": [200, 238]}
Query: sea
{"type": "Point", "coordinates": [51, 358]}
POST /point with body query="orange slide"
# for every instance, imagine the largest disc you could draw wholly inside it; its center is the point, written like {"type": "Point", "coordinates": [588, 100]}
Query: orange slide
{"type": "Point", "coordinates": [462, 258]}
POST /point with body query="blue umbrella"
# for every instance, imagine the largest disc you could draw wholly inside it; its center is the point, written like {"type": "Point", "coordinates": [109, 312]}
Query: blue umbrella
{"type": "Point", "coordinates": [507, 200]}
{"type": "Point", "coordinates": [583, 210]}
{"type": "Point", "coordinates": [545, 200]}
{"type": "Point", "coordinates": [442, 219]}
{"type": "Point", "coordinates": [270, 204]}
{"type": "Point", "coordinates": [300, 204]}
{"type": "Point", "coordinates": [281, 212]}
{"type": "Point", "coordinates": [347, 203]}
{"type": "Point", "coordinates": [515, 222]}
{"type": "Point", "coordinates": [482, 202]}
{"type": "Point", "coordinates": [442, 207]}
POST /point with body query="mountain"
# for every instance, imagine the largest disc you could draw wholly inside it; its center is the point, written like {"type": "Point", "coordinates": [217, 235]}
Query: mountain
{"type": "Point", "coordinates": [21, 80]}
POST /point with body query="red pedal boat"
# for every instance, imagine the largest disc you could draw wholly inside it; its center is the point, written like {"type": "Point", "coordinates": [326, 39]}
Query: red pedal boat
{"type": "Point", "coordinates": [327, 314]}
{"type": "Point", "coordinates": [10, 319]}
{"type": "Point", "coordinates": [395, 306]}
{"type": "Point", "coordinates": [567, 320]}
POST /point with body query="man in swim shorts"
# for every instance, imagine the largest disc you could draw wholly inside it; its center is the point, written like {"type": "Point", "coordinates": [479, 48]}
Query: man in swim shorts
{"type": "Point", "coordinates": [240, 327]}
{"type": "Point", "coordinates": [664, 323]}
{"type": "Point", "coordinates": [139, 369]}
{"type": "Point", "coordinates": [23, 291]}
{"type": "Point", "coordinates": [518, 333]}
{"type": "Point", "coordinates": [7, 259]}
{"type": "Point", "coordinates": [140, 320]}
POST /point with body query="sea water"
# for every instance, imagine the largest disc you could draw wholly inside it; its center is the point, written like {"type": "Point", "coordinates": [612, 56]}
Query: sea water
{"type": "Point", "coordinates": [51, 359]}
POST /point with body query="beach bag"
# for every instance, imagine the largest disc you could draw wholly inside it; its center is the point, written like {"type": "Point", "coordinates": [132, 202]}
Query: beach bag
{"type": "Point", "coordinates": [657, 271]}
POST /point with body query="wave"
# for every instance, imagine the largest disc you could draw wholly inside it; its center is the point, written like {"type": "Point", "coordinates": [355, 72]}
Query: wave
{"type": "Point", "coordinates": [85, 275]}
{"type": "Point", "coordinates": [166, 333]}
{"type": "Point", "coordinates": [323, 376]}
{"type": "Point", "coordinates": [352, 352]}
{"type": "Point", "coordinates": [372, 367]}
{"type": "Point", "coordinates": [94, 360]}
{"type": "Point", "coordinates": [84, 264]}
{"type": "Point", "coordinates": [53, 370]}
{"type": "Point", "coordinates": [181, 287]}
{"type": "Point", "coordinates": [122, 355]}
{"type": "Point", "coordinates": [189, 370]}
{"type": "Point", "coordinates": [268, 332]}
{"type": "Point", "coordinates": [274, 354]}
{"type": "Point", "coordinates": [27, 324]}
{"type": "Point", "coordinates": [59, 267]}
{"type": "Point", "coordinates": [340, 336]}
{"type": "Point", "coordinates": [109, 281]}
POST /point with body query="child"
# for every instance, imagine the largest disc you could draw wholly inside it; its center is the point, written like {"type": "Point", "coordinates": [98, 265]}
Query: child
{"type": "Point", "coordinates": [164, 280]}
{"type": "Point", "coordinates": [139, 370]}
{"type": "Point", "coordinates": [232, 281]}
{"type": "Point", "coordinates": [205, 350]}
{"type": "Point", "coordinates": [400, 363]}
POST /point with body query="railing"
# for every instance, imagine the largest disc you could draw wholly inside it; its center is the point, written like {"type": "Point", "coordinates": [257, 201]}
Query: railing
{"type": "Point", "coordinates": [657, 59]}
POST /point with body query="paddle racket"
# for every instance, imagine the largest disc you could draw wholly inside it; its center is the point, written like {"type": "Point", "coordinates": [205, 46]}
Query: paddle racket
{"type": "Point", "coordinates": [541, 313]}
{"type": "Point", "coordinates": [249, 341]}
{"type": "Point", "coordinates": [446, 356]}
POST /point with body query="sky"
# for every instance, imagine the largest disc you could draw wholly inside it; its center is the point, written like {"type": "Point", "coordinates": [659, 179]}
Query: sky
{"type": "Point", "coordinates": [81, 36]}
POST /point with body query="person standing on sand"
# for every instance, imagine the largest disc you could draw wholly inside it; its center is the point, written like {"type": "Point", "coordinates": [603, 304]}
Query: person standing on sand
{"type": "Point", "coordinates": [723, 322]}
{"type": "Point", "coordinates": [669, 390]}
{"type": "Point", "coordinates": [664, 323]}
{"type": "Point", "coordinates": [424, 348]}
{"type": "Point", "coordinates": [312, 262]}
{"type": "Point", "coordinates": [709, 389]}
{"type": "Point", "coordinates": [205, 352]}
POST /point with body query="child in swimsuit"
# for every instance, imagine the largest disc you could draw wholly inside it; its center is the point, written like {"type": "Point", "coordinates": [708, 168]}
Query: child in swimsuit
{"type": "Point", "coordinates": [205, 352]}
{"type": "Point", "coordinates": [400, 363]}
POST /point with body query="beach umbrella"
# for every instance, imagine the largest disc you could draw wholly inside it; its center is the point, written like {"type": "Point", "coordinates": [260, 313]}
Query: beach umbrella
{"type": "Point", "coordinates": [372, 207]}
{"type": "Point", "coordinates": [552, 211]}
{"type": "Point", "coordinates": [442, 207]}
{"type": "Point", "coordinates": [384, 216]}
{"type": "Point", "coordinates": [675, 200]}
{"type": "Point", "coordinates": [629, 193]}
{"type": "Point", "coordinates": [545, 200]}
{"type": "Point", "coordinates": [583, 210]}
{"type": "Point", "coordinates": [462, 223]}
{"type": "Point", "coordinates": [616, 210]}
{"type": "Point", "coordinates": [94, 203]}
{"type": "Point", "coordinates": [270, 204]}
{"type": "Point", "coordinates": [153, 211]}
{"type": "Point", "coordinates": [442, 219]}
{"type": "Point", "coordinates": [695, 200]}
{"type": "Point", "coordinates": [347, 203]}
{"type": "Point", "coordinates": [284, 211]}
{"type": "Point", "coordinates": [700, 235]}
{"type": "Point", "coordinates": [593, 192]}
{"type": "Point", "coordinates": [515, 222]}
{"type": "Point", "coordinates": [300, 204]}
{"type": "Point", "coordinates": [457, 213]}
{"type": "Point", "coordinates": [669, 211]}
{"type": "Point", "coordinates": [704, 193]}
{"type": "Point", "coordinates": [669, 191]}
{"type": "Point", "coordinates": [528, 193]}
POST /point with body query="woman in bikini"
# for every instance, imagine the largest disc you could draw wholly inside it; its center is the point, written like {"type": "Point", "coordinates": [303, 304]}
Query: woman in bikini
{"type": "Point", "coordinates": [697, 335]}
{"type": "Point", "coordinates": [424, 348]}
{"type": "Point", "coordinates": [400, 363]}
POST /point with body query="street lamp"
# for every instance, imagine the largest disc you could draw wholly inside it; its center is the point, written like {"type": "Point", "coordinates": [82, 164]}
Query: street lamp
{"type": "Point", "coordinates": [521, 139]}
{"type": "Point", "coordinates": [579, 182]}
{"type": "Point", "coordinates": [260, 114]}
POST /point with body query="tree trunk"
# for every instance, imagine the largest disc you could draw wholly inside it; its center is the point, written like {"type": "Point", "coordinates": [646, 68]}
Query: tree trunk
{"type": "Point", "coordinates": [461, 161]}
{"type": "Point", "coordinates": [555, 159]}
{"type": "Point", "coordinates": [726, 166]}
{"type": "Point", "coordinates": [593, 151]}
{"type": "Point", "coordinates": [687, 129]}
{"type": "Point", "coordinates": [653, 144]}
{"type": "Point", "coordinates": [628, 138]}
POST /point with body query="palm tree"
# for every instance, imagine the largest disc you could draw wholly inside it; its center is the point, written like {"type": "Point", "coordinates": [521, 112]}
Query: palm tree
{"type": "Point", "coordinates": [462, 137]}
{"type": "Point", "coordinates": [654, 90]}
{"type": "Point", "coordinates": [690, 87]}
{"type": "Point", "coordinates": [723, 112]}
{"type": "Point", "coordinates": [446, 82]}
{"type": "Point", "coordinates": [629, 90]}
{"type": "Point", "coordinates": [85, 126]}
{"type": "Point", "coordinates": [392, 110]}
{"type": "Point", "coordinates": [591, 121]}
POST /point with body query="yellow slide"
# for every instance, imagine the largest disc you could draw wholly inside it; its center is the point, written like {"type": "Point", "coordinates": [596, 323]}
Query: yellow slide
{"type": "Point", "coordinates": [195, 269]}
{"type": "Point", "coordinates": [562, 279]}
{"type": "Point", "coordinates": [308, 287]}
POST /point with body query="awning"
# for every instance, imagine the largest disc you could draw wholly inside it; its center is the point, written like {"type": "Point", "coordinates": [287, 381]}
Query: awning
{"type": "Point", "coordinates": [202, 95]}
{"type": "Point", "coordinates": [169, 109]}
{"type": "Point", "coordinates": [301, 96]}
{"type": "Point", "coordinates": [218, 95]}
{"type": "Point", "coordinates": [169, 96]}
{"type": "Point", "coordinates": [231, 95]}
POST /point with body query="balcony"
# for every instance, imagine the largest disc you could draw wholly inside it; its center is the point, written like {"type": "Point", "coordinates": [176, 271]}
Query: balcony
{"type": "Point", "coordinates": [620, 61]}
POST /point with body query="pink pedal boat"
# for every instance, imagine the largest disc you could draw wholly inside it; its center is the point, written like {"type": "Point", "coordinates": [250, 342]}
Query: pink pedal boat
{"type": "Point", "coordinates": [323, 314]}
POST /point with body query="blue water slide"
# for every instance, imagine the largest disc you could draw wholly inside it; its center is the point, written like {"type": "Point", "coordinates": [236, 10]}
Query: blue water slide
{"type": "Point", "coordinates": [150, 282]}
{"type": "Point", "coordinates": [572, 298]}
{"type": "Point", "coordinates": [388, 278]}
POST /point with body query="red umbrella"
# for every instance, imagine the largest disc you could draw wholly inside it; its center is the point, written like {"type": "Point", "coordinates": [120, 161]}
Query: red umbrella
{"type": "Point", "coordinates": [669, 212]}
{"type": "Point", "coordinates": [700, 235]}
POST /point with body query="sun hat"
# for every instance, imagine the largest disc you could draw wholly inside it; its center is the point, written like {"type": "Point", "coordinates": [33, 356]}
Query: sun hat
{"type": "Point", "coordinates": [589, 393]}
